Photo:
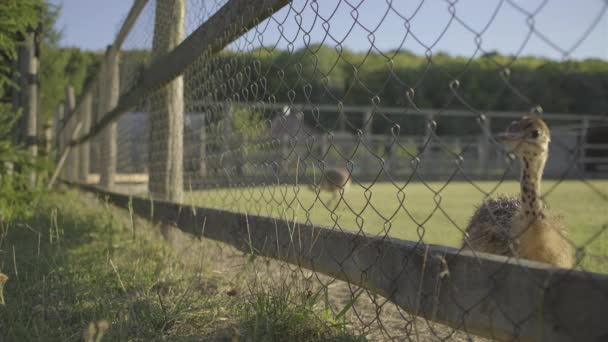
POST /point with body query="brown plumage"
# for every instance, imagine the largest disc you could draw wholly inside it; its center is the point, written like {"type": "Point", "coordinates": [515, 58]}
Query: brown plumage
{"type": "Point", "coordinates": [333, 180]}
{"type": "Point", "coordinates": [522, 227]}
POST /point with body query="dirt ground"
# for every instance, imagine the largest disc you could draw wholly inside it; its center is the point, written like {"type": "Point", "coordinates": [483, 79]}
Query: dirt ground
{"type": "Point", "coordinates": [373, 315]}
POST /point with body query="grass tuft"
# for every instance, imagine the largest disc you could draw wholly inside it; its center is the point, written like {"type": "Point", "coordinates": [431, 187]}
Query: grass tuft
{"type": "Point", "coordinates": [282, 315]}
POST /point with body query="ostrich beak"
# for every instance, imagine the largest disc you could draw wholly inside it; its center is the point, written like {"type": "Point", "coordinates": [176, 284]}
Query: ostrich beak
{"type": "Point", "coordinates": [513, 140]}
{"type": "Point", "coordinates": [509, 137]}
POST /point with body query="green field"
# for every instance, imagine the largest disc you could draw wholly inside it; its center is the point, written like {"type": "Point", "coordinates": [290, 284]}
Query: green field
{"type": "Point", "coordinates": [435, 213]}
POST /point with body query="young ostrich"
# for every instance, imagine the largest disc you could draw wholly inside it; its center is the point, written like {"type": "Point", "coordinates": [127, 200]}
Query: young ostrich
{"type": "Point", "coordinates": [522, 227]}
{"type": "Point", "coordinates": [333, 180]}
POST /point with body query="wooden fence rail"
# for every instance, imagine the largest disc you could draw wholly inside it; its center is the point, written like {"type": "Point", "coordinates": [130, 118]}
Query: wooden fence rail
{"type": "Point", "coordinates": [483, 294]}
{"type": "Point", "coordinates": [226, 25]}
{"type": "Point", "coordinates": [129, 22]}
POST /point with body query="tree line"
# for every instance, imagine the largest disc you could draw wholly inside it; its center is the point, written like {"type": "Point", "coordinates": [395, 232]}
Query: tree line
{"type": "Point", "coordinates": [322, 74]}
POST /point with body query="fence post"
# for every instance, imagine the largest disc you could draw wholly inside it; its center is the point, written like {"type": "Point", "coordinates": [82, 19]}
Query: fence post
{"type": "Point", "coordinates": [47, 131]}
{"type": "Point", "coordinates": [483, 148]}
{"type": "Point", "coordinates": [167, 108]}
{"type": "Point", "coordinates": [324, 144]}
{"type": "Point", "coordinates": [58, 126]}
{"type": "Point", "coordinates": [62, 140]}
{"type": "Point", "coordinates": [110, 89]}
{"type": "Point", "coordinates": [83, 149]}
{"type": "Point", "coordinates": [98, 106]}
{"type": "Point", "coordinates": [46, 146]}
{"type": "Point", "coordinates": [28, 97]}
{"type": "Point", "coordinates": [367, 135]}
{"type": "Point", "coordinates": [582, 160]}
{"type": "Point", "coordinates": [70, 104]}
{"type": "Point", "coordinates": [389, 151]}
{"type": "Point", "coordinates": [429, 162]}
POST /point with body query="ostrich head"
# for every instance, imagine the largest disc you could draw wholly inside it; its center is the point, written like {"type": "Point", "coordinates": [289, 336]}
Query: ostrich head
{"type": "Point", "coordinates": [528, 136]}
{"type": "Point", "coordinates": [529, 139]}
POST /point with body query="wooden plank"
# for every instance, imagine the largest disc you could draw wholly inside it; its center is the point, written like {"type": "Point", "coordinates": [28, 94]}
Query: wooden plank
{"type": "Point", "coordinates": [131, 178]}
{"type": "Point", "coordinates": [70, 169]}
{"type": "Point", "coordinates": [63, 157]}
{"type": "Point", "coordinates": [227, 24]}
{"type": "Point", "coordinates": [130, 20]}
{"type": "Point", "coordinates": [483, 294]}
{"type": "Point", "coordinates": [58, 125]}
{"type": "Point", "coordinates": [84, 149]}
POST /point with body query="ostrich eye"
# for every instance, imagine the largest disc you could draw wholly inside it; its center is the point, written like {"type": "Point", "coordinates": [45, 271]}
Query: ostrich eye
{"type": "Point", "coordinates": [536, 133]}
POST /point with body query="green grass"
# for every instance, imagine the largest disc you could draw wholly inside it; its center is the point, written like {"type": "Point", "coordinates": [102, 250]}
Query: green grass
{"type": "Point", "coordinates": [79, 262]}
{"type": "Point", "coordinates": [435, 213]}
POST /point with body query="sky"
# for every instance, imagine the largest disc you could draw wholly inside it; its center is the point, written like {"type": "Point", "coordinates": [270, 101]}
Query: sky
{"type": "Point", "coordinates": [557, 29]}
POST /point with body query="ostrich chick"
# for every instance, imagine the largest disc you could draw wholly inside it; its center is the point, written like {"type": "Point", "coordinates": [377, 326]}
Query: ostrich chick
{"type": "Point", "coordinates": [333, 180]}
{"type": "Point", "coordinates": [522, 227]}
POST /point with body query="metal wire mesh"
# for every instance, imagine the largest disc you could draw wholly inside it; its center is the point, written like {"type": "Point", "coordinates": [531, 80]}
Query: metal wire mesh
{"type": "Point", "coordinates": [348, 116]}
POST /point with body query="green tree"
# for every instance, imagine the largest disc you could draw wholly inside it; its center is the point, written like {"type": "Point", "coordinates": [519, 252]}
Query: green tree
{"type": "Point", "coordinates": [16, 17]}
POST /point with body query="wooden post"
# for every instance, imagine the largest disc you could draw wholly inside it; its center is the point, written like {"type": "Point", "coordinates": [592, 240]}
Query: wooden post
{"type": "Point", "coordinates": [483, 148]}
{"type": "Point", "coordinates": [58, 136]}
{"type": "Point", "coordinates": [323, 144]}
{"type": "Point", "coordinates": [389, 149]}
{"type": "Point", "coordinates": [367, 124]}
{"type": "Point", "coordinates": [70, 103]}
{"type": "Point", "coordinates": [48, 138]}
{"type": "Point", "coordinates": [83, 149]}
{"type": "Point", "coordinates": [45, 146]}
{"type": "Point", "coordinates": [63, 139]}
{"type": "Point", "coordinates": [428, 158]}
{"type": "Point", "coordinates": [64, 154]}
{"type": "Point", "coordinates": [31, 108]}
{"type": "Point", "coordinates": [582, 160]}
{"type": "Point", "coordinates": [167, 108]}
{"type": "Point", "coordinates": [98, 105]}
{"type": "Point", "coordinates": [110, 92]}
{"type": "Point", "coordinates": [28, 97]}
{"type": "Point", "coordinates": [366, 127]}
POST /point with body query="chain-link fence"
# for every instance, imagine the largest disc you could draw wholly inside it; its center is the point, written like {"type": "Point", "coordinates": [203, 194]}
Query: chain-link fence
{"type": "Point", "coordinates": [374, 169]}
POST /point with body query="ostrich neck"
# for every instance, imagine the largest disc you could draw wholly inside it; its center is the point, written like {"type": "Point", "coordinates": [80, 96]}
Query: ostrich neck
{"type": "Point", "coordinates": [531, 176]}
